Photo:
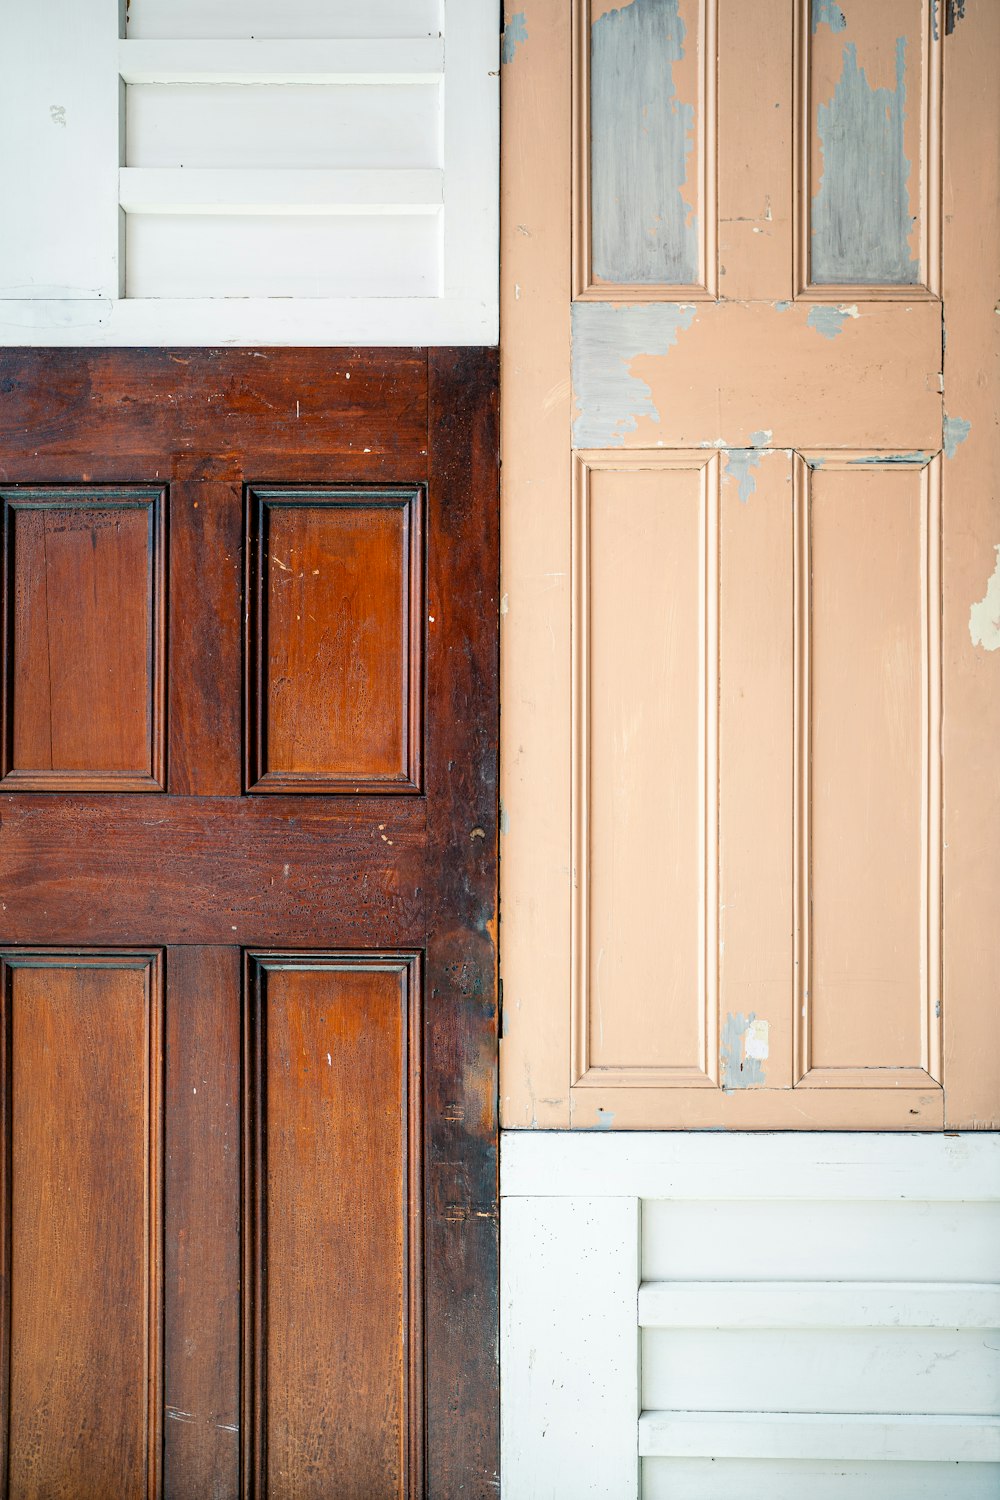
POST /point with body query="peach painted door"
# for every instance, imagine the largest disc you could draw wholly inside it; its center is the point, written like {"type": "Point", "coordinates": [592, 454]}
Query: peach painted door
{"type": "Point", "coordinates": [750, 466]}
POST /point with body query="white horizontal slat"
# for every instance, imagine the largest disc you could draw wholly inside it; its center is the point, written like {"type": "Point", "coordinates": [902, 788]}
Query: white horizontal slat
{"type": "Point", "coordinates": [157, 190]}
{"type": "Point", "coordinates": [877, 1370]}
{"type": "Point", "coordinates": [818, 1304]}
{"type": "Point", "coordinates": [749, 1165]}
{"type": "Point", "coordinates": [778, 1240]}
{"type": "Point", "coordinates": [752, 1434]}
{"type": "Point", "coordinates": [282, 60]}
{"type": "Point", "coordinates": [816, 1479]}
{"type": "Point", "coordinates": [288, 18]}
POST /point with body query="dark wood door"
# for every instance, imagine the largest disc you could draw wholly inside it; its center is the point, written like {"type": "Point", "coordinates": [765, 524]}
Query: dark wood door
{"type": "Point", "coordinates": [248, 846]}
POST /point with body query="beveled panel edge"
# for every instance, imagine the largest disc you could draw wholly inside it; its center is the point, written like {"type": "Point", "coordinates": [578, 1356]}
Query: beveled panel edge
{"type": "Point", "coordinates": [584, 288]}
{"type": "Point", "coordinates": [39, 496]}
{"type": "Point", "coordinates": [152, 961]}
{"type": "Point", "coordinates": [408, 963]}
{"type": "Point", "coordinates": [706, 1073]}
{"type": "Point", "coordinates": [931, 154]}
{"type": "Point", "coordinates": [256, 499]}
{"type": "Point", "coordinates": [930, 1072]}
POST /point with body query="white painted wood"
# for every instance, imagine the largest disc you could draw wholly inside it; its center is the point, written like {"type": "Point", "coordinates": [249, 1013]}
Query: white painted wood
{"type": "Point", "coordinates": [780, 1239]}
{"type": "Point", "coordinates": [155, 190]}
{"type": "Point", "coordinates": [752, 1165]}
{"type": "Point", "coordinates": [569, 1349]}
{"type": "Point", "coordinates": [757, 1434]}
{"type": "Point", "coordinates": [887, 1371]}
{"type": "Point", "coordinates": [818, 1304]}
{"type": "Point", "coordinates": [59, 145]}
{"type": "Point", "coordinates": [789, 1479]}
{"type": "Point", "coordinates": [282, 60]}
{"type": "Point", "coordinates": [187, 19]}
{"type": "Point", "coordinates": [318, 321]}
{"type": "Point", "coordinates": [360, 126]}
{"type": "Point", "coordinates": [104, 256]}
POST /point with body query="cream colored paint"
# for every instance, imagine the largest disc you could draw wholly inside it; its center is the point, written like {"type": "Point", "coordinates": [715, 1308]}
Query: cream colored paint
{"type": "Point", "coordinates": [830, 621]}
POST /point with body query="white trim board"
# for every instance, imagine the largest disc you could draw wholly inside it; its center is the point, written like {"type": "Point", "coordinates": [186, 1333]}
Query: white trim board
{"type": "Point", "coordinates": [749, 1165]}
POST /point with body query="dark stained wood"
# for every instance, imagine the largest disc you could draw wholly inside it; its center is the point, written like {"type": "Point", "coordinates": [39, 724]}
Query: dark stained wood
{"type": "Point", "coordinates": [332, 1282]}
{"type": "Point", "coordinates": [260, 415]}
{"type": "Point", "coordinates": [460, 984]}
{"type": "Point", "coordinates": [334, 640]}
{"type": "Point", "coordinates": [202, 1196]}
{"type": "Point", "coordinates": [336, 1156]}
{"type": "Point", "coordinates": [254, 870]}
{"type": "Point", "coordinates": [83, 639]}
{"type": "Point", "coordinates": [206, 668]}
{"type": "Point", "coordinates": [82, 1117]}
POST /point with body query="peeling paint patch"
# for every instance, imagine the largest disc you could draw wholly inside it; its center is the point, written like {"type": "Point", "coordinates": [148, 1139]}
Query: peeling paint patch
{"type": "Point", "coordinates": [740, 464]}
{"type": "Point", "coordinates": [782, 306]}
{"type": "Point", "coordinates": [605, 1119]}
{"type": "Point", "coordinates": [504, 820]}
{"type": "Point", "coordinates": [829, 321]}
{"type": "Point", "coordinates": [984, 617]}
{"type": "Point", "coordinates": [827, 12]}
{"type": "Point", "coordinates": [515, 34]}
{"type": "Point", "coordinates": [861, 217]}
{"type": "Point", "coordinates": [761, 437]}
{"type": "Point", "coordinates": [641, 135]}
{"type": "Point", "coordinates": [606, 338]}
{"type": "Point", "coordinates": [744, 1051]}
{"type": "Point", "coordinates": [934, 19]}
{"type": "Point", "coordinates": [956, 430]}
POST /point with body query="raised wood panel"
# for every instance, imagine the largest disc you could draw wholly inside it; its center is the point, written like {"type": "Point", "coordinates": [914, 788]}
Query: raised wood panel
{"type": "Point", "coordinates": [644, 142]}
{"type": "Point", "coordinates": [335, 640]}
{"type": "Point", "coordinates": [868, 772]}
{"type": "Point", "coordinates": [84, 639]}
{"type": "Point", "coordinates": [333, 1394]}
{"type": "Point", "coordinates": [869, 148]}
{"type": "Point", "coordinates": [646, 770]}
{"type": "Point", "coordinates": [82, 1039]}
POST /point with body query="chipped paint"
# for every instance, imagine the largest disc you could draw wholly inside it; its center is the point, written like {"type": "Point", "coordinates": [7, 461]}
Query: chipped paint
{"type": "Point", "coordinates": [515, 34]}
{"type": "Point", "coordinates": [828, 13]}
{"type": "Point", "coordinates": [955, 431]}
{"type": "Point", "coordinates": [861, 213]}
{"type": "Point", "coordinates": [916, 457]}
{"type": "Point", "coordinates": [829, 321]}
{"type": "Point", "coordinates": [761, 437]}
{"type": "Point", "coordinates": [740, 464]}
{"type": "Point", "coordinates": [609, 397]}
{"type": "Point", "coordinates": [744, 1051]}
{"type": "Point", "coordinates": [782, 306]}
{"type": "Point", "coordinates": [954, 12]}
{"type": "Point", "coordinates": [605, 1119]}
{"type": "Point", "coordinates": [984, 617]}
{"type": "Point", "coordinates": [641, 136]}
{"type": "Point", "coordinates": [934, 19]}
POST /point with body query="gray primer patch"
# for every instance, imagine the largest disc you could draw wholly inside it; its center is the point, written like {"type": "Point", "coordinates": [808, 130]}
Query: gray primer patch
{"type": "Point", "coordinates": [829, 321]}
{"type": "Point", "coordinates": [956, 430]}
{"type": "Point", "coordinates": [828, 13]}
{"type": "Point", "coordinates": [605, 1119]}
{"type": "Point", "coordinates": [739, 1071]}
{"type": "Point", "coordinates": [515, 33]}
{"type": "Point", "coordinates": [641, 135]}
{"type": "Point", "coordinates": [861, 214]}
{"type": "Point", "coordinates": [984, 617]}
{"type": "Point", "coordinates": [740, 464]}
{"type": "Point", "coordinates": [606, 338]}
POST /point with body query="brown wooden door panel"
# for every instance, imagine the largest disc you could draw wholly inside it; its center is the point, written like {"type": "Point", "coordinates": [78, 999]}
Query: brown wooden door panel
{"type": "Point", "coordinates": [322, 1116]}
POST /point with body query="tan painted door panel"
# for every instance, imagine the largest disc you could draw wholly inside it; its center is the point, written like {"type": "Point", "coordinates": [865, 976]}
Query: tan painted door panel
{"type": "Point", "coordinates": [752, 627]}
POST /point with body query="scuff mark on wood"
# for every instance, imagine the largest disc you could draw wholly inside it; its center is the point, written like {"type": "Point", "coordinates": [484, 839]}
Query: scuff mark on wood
{"type": "Point", "coordinates": [606, 338]}
{"type": "Point", "coordinates": [984, 617]}
{"type": "Point", "coordinates": [641, 136]}
{"type": "Point", "coordinates": [861, 218]}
